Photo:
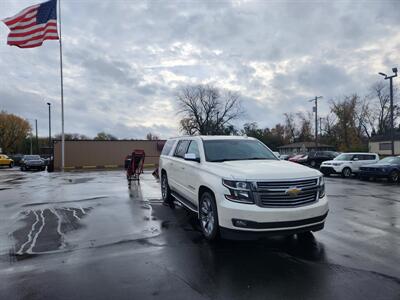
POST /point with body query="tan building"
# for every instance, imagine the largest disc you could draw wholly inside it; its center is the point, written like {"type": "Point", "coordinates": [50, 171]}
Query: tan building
{"type": "Point", "coordinates": [382, 145]}
{"type": "Point", "coordinates": [91, 154]}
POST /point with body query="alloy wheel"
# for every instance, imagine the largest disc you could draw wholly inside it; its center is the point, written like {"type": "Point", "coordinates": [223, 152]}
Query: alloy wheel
{"type": "Point", "coordinates": [394, 176]}
{"type": "Point", "coordinates": [164, 187]}
{"type": "Point", "coordinates": [347, 172]}
{"type": "Point", "coordinates": [207, 216]}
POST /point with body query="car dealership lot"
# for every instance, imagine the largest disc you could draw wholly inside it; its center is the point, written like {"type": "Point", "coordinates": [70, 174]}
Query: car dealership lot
{"type": "Point", "coordinates": [87, 236]}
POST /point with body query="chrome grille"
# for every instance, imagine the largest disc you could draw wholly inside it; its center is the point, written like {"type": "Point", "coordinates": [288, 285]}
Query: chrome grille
{"type": "Point", "coordinates": [274, 193]}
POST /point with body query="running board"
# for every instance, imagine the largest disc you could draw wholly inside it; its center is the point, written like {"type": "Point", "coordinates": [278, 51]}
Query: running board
{"type": "Point", "coordinates": [184, 202]}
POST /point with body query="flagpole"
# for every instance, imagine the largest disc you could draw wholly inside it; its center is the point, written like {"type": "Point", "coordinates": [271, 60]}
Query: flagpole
{"type": "Point", "coordinates": [62, 92]}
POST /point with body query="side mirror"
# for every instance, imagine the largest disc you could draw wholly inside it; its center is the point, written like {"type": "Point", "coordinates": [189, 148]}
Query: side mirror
{"type": "Point", "coordinates": [191, 157]}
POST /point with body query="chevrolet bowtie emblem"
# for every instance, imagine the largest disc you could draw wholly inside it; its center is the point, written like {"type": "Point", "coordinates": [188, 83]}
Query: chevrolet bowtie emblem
{"type": "Point", "coordinates": [293, 191]}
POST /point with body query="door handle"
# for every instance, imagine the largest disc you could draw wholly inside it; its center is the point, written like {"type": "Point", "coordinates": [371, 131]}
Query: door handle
{"type": "Point", "coordinates": [183, 168]}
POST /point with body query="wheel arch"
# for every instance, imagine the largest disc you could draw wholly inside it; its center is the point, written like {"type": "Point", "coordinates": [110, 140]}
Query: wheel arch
{"type": "Point", "coordinates": [202, 189]}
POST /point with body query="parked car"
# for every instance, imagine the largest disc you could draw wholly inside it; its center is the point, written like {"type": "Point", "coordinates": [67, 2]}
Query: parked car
{"type": "Point", "coordinates": [32, 162]}
{"type": "Point", "coordinates": [284, 157]}
{"type": "Point", "coordinates": [388, 167]}
{"type": "Point", "coordinates": [299, 158]}
{"type": "Point", "coordinates": [16, 158]}
{"type": "Point", "coordinates": [237, 185]}
{"type": "Point", "coordinates": [347, 164]}
{"type": "Point", "coordinates": [315, 158]}
{"type": "Point", "coordinates": [276, 154]}
{"type": "Point", "coordinates": [6, 161]}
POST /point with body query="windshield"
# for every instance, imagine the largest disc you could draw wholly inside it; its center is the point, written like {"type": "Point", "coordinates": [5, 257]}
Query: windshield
{"type": "Point", "coordinates": [344, 156]}
{"type": "Point", "coordinates": [390, 160]}
{"type": "Point", "coordinates": [32, 157]}
{"type": "Point", "coordinates": [223, 150]}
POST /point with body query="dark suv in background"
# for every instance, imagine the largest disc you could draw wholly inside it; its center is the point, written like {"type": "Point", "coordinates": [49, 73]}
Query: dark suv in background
{"type": "Point", "coordinates": [315, 158]}
{"type": "Point", "coordinates": [32, 162]}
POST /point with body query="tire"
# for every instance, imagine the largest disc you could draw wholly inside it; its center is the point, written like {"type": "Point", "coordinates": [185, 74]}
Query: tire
{"type": "Point", "coordinates": [165, 190]}
{"type": "Point", "coordinates": [11, 165]}
{"type": "Point", "coordinates": [364, 178]}
{"type": "Point", "coordinates": [346, 172]}
{"type": "Point", "coordinates": [208, 216]}
{"type": "Point", "coordinates": [394, 176]}
{"type": "Point", "coordinates": [23, 168]}
{"type": "Point", "coordinates": [313, 163]}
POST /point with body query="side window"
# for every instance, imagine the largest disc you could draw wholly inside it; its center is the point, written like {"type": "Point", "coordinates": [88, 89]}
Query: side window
{"type": "Point", "coordinates": [167, 147]}
{"type": "Point", "coordinates": [371, 157]}
{"type": "Point", "coordinates": [181, 149]}
{"type": "Point", "coordinates": [194, 148]}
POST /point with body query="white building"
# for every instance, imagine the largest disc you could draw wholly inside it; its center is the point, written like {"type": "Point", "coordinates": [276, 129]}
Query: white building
{"type": "Point", "coordinates": [382, 144]}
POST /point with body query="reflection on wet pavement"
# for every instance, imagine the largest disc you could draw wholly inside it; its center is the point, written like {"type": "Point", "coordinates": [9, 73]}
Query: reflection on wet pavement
{"type": "Point", "coordinates": [50, 213]}
{"type": "Point", "coordinates": [89, 236]}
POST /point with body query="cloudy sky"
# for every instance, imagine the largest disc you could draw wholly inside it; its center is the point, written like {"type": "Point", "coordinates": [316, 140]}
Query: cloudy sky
{"type": "Point", "coordinates": [125, 60]}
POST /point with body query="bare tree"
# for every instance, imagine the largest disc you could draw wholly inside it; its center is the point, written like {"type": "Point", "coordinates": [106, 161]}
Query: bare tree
{"type": "Point", "coordinates": [305, 128]}
{"type": "Point", "coordinates": [380, 110]}
{"type": "Point", "coordinates": [152, 137]}
{"type": "Point", "coordinates": [206, 111]}
{"type": "Point", "coordinates": [290, 127]}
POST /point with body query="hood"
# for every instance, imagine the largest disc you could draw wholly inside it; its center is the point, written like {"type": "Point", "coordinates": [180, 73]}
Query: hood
{"type": "Point", "coordinates": [34, 161]}
{"type": "Point", "coordinates": [261, 170]}
{"type": "Point", "coordinates": [330, 162]}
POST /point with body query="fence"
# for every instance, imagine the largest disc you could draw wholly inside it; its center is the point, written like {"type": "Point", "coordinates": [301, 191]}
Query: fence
{"type": "Point", "coordinates": [91, 154]}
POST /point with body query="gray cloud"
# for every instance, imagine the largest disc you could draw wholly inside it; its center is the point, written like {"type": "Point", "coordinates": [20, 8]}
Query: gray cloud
{"type": "Point", "coordinates": [124, 60]}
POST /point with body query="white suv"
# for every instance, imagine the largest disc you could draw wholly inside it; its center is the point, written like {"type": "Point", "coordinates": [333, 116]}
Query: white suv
{"type": "Point", "coordinates": [347, 164]}
{"type": "Point", "coordinates": [236, 184]}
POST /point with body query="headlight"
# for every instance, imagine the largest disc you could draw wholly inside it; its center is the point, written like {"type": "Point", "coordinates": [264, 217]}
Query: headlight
{"type": "Point", "coordinates": [321, 187]}
{"type": "Point", "coordinates": [337, 164]}
{"type": "Point", "coordinates": [240, 191]}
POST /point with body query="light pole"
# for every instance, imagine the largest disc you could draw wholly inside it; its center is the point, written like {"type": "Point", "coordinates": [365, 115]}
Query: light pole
{"type": "Point", "coordinates": [37, 139]}
{"type": "Point", "coordinates": [391, 105]}
{"type": "Point", "coordinates": [315, 109]}
{"type": "Point", "coordinates": [49, 105]}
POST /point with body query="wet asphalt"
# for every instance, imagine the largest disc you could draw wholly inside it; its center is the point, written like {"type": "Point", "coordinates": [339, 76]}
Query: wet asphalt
{"type": "Point", "coordinates": [88, 236]}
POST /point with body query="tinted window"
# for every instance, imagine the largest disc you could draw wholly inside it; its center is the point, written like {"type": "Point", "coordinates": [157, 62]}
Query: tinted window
{"type": "Point", "coordinates": [390, 160]}
{"type": "Point", "coordinates": [167, 147]}
{"type": "Point", "coordinates": [31, 157]}
{"type": "Point", "coordinates": [181, 148]}
{"type": "Point", "coordinates": [344, 157]}
{"type": "Point", "coordinates": [194, 148]}
{"type": "Point", "coordinates": [225, 150]}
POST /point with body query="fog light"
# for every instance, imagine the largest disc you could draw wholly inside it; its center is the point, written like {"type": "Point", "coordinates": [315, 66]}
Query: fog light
{"type": "Point", "coordinates": [239, 223]}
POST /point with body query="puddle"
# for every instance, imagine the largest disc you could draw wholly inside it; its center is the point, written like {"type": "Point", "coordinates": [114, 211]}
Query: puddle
{"type": "Point", "coordinates": [44, 230]}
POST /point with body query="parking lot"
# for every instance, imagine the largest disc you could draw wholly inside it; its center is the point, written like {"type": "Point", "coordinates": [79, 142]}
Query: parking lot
{"type": "Point", "coordinates": [85, 235]}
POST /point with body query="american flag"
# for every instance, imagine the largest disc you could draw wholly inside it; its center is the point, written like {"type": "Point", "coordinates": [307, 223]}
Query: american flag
{"type": "Point", "coordinates": [33, 25]}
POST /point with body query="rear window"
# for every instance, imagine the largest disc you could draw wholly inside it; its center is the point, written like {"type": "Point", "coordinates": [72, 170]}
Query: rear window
{"type": "Point", "coordinates": [167, 147]}
{"type": "Point", "coordinates": [181, 148]}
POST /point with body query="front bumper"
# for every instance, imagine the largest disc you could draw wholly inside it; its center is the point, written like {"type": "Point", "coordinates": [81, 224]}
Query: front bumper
{"type": "Point", "coordinates": [35, 167]}
{"type": "Point", "coordinates": [371, 173]}
{"type": "Point", "coordinates": [253, 218]}
{"type": "Point", "coordinates": [330, 169]}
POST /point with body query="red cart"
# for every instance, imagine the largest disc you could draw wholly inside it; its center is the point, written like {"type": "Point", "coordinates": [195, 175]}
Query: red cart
{"type": "Point", "coordinates": [134, 165]}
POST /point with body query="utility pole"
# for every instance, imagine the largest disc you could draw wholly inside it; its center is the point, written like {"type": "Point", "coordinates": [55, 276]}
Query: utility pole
{"type": "Point", "coordinates": [391, 106]}
{"type": "Point", "coordinates": [320, 126]}
{"type": "Point", "coordinates": [37, 140]}
{"type": "Point", "coordinates": [315, 110]}
{"type": "Point", "coordinates": [31, 142]}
